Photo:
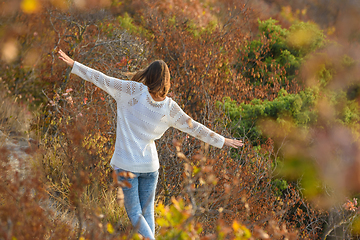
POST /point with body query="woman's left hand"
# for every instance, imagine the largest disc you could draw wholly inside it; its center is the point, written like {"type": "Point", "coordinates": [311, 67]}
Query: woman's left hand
{"type": "Point", "coordinates": [66, 58]}
{"type": "Point", "coordinates": [233, 143]}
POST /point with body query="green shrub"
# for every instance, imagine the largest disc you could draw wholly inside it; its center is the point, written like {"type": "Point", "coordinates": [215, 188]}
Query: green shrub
{"type": "Point", "coordinates": [300, 109]}
{"type": "Point", "coordinates": [297, 107]}
{"type": "Point", "coordinates": [277, 53]}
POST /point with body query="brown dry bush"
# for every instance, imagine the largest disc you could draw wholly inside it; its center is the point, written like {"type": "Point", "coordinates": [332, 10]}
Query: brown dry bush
{"type": "Point", "coordinates": [24, 213]}
{"type": "Point", "coordinates": [238, 186]}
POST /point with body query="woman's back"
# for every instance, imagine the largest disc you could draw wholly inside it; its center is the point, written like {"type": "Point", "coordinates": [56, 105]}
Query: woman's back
{"type": "Point", "coordinates": [140, 120]}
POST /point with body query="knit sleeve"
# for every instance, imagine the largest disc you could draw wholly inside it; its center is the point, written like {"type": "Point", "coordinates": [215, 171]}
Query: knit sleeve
{"type": "Point", "coordinates": [118, 89]}
{"type": "Point", "coordinates": [180, 120]}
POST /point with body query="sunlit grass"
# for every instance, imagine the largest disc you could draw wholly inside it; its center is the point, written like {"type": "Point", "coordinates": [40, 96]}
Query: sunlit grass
{"type": "Point", "coordinates": [14, 119]}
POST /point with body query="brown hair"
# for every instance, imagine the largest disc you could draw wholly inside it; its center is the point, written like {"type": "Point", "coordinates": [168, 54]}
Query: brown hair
{"type": "Point", "coordinates": [156, 76]}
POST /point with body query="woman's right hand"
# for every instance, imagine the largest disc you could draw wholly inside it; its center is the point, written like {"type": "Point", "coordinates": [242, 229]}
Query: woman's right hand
{"type": "Point", "coordinates": [66, 58]}
{"type": "Point", "coordinates": [233, 143]}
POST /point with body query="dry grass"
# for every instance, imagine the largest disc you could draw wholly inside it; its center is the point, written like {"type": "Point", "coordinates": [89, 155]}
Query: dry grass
{"type": "Point", "coordinates": [14, 118]}
{"type": "Point", "coordinates": [95, 201]}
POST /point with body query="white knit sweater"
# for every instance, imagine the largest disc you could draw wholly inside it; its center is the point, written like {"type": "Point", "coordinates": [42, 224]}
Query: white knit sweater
{"type": "Point", "coordinates": [141, 120]}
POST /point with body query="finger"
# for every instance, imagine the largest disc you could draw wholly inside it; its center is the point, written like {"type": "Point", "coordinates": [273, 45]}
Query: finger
{"type": "Point", "coordinates": [62, 53]}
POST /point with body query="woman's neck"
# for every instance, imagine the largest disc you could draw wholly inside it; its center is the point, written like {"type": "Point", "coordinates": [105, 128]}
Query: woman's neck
{"type": "Point", "coordinates": [156, 98]}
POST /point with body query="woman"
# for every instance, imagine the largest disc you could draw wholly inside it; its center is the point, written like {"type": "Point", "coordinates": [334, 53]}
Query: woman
{"type": "Point", "coordinates": [144, 113]}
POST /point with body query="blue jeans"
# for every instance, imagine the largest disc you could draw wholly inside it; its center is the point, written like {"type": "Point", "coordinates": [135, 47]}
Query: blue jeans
{"type": "Point", "coordinates": [139, 201]}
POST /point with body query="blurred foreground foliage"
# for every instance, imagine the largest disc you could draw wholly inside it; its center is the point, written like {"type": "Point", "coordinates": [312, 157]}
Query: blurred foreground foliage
{"type": "Point", "coordinates": [290, 92]}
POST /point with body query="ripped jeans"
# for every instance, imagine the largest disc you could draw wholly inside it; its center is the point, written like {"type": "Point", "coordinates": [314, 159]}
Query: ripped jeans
{"type": "Point", "coordinates": [139, 201]}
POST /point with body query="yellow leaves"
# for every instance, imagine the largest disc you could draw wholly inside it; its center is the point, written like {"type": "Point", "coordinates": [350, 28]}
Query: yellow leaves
{"type": "Point", "coordinates": [174, 221]}
{"type": "Point", "coordinates": [196, 169]}
{"type": "Point", "coordinates": [241, 232]}
{"type": "Point", "coordinates": [303, 12]}
{"type": "Point", "coordinates": [331, 30]}
{"type": "Point", "coordinates": [110, 228]}
{"type": "Point", "coordinates": [177, 204]}
{"type": "Point", "coordinates": [33, 6]}
{"type": "Point", "coordinates": [236, 225]}
{"type": "Point", "coordinates": [286, 12]}
{"type": "Point", "coordinates": [30, 6]}
{"type": "Point", "coordinates": [301, 37]}
{"type": "Point", "coordinates": [96, 142]}
{"type": "Point", "coordinates": [355, 226]}
{"type": "Point", "coordinates": [291, 16]}
{"type": "Point", "coordinates": [162, 222]}
{"type": "Point", "coordinates": [174, 215]}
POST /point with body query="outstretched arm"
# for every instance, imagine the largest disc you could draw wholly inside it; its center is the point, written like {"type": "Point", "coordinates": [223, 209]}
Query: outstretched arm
{"type": "Point", "coordinates": [119, 89]}
{"type": "Point", "coordinates": [180, 120]}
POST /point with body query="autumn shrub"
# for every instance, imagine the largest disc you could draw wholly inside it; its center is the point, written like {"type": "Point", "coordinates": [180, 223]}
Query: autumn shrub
{"type": "Point", "coordinates": [78, 133]}
{"type": "Point", "coordinates": [76, 166]}
{"type": "Point", "coordinates": [213, 52]}
{"type": "Point", "coordinates": [272, 60]}
{"type": "Point", "coordinates": [27, 43]}
{"type": "Point", "coordinates": [198, 49]}
{"type": "Point", "coordinates": [225, 189]}
{"type": "Point", "coordinates": [24, 213]}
